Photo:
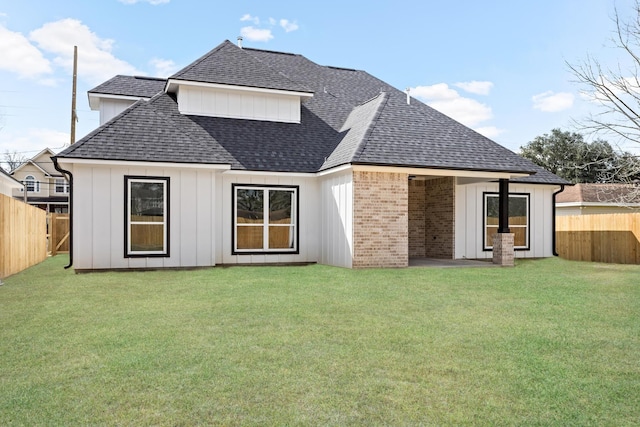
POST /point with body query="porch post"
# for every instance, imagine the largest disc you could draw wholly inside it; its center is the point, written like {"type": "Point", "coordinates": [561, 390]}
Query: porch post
{"type": "Point", "coordinates": [503, 252]}
{"type": "Point", "coordinates": [503, 208]}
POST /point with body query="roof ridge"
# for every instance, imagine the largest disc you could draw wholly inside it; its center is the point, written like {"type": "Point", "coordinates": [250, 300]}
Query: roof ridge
{"type": "Point", "coordinates": [372, 123]}
{"type": "Point", "coordinates": [199, 60]}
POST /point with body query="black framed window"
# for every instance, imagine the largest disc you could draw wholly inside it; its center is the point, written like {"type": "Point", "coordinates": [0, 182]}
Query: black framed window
{"type": "Point", "coordinates": [265, 219]}
{"type": "Point", "coordinates": [146, 216]}
{"type": "Point", "coordinates": [518, 219]}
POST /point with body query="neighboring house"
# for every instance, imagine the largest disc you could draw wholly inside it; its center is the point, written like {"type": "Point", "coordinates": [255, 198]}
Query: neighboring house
{"type": "Point", "coordinates": [46, 188]}
{"type": "Point", "coordinates": [253, 156]}
{"type": "Point", "coordinates": [8, 183]}
{"type": "Point", "coordinates": [585, 199]}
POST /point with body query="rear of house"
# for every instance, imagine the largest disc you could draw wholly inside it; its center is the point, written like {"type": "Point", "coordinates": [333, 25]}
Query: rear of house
{"type": "Point", "coordinates": [249, 156]}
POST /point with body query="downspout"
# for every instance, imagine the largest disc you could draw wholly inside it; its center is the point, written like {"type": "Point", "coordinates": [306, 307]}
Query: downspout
{"type": "Point", "coordinates": [553, 221]}
{"type": "Point", "coordinates": [70, 179]}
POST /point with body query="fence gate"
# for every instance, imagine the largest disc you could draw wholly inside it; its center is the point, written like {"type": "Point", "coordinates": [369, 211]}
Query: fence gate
{"type": "Point", "coordinates": [58, 233]}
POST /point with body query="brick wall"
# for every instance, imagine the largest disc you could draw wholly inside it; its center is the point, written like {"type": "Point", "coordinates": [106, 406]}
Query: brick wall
{"type": "Point", "coordinates": [439, 218]}
{"type": "Point", "coordinates": [380, 219]}
{"type": "Point", "coordinates": [417, 218]}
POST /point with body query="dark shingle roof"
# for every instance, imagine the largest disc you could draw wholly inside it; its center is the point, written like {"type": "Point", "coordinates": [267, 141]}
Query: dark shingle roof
{"type": "Point", "coordinates": [352, 117]}
{"type": "Point", "coordinates": [238, 68]}
{"type": "Point", "coordinates": [137, 86]}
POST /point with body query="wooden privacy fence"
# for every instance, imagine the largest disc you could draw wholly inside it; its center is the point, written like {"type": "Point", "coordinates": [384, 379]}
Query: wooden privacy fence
{"type": "Point", "coordinates": [23, 235]}
{"type": "Point", "coordinates": [613, 238]}
{"type": "Point", "coordinates": [58, 233]}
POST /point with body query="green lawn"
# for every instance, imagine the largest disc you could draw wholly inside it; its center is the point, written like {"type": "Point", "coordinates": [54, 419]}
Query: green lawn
{"type": "Point", "coordinates": [549, 342]}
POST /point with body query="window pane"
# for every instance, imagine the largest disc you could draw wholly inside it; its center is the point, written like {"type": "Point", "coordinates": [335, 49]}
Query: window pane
{"type": "Point", "coordinates": [250, 237]}
{"type": "Point", "coordinates": [147, 201]}
{"type": "Point", "coordinates": [517, 207]}
{"type": "Point", "coordinates": [493, 207]}
{"type": "Point", "coordinates": [280, 206]}
{"type": "Point", "coordinates": [147, 237]}
{"type": "Point", "coordinates": [490, 231]}
{"type": "Point", "coordinates": [520, 236]}
{"type": "Point", "coordinates": [280, 237]}
{"type": "Point", "coordinates": [250, 207]}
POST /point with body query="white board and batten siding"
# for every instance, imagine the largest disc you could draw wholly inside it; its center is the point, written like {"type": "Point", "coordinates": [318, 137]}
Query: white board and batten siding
{"type": "Point", "coordinates": [337, 220]}
{"type": "Point", "coordinates": [99, 223]}
{"type": "Point", "coordinates": [109, 108]}
{"type": "Point", "coordinates": [238, 104]}
{"type": "Point", "coordinates": [469, 220]}
{"type": "Point", "coordinates": [308, 218]}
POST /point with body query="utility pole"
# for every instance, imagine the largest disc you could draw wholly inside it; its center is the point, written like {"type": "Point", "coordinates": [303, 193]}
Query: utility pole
{"type": "Point", "coordinates": [74, 117]}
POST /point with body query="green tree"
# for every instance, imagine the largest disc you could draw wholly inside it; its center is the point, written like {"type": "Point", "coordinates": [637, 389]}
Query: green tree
{"type": "Point", "coordinates": [569, 156]}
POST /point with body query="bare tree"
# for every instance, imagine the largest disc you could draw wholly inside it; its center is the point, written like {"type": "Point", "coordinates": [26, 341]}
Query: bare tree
{"type": "Point", "coordinates": [617, 92]}
{"type": "Point", "coordinates": [13, 159]}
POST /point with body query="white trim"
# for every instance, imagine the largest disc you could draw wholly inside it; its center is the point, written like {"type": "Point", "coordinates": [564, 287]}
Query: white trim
{"type": "Point", "coordinates": [164, 223]}
{"type": "Point", "coordinates": [274, 174]}
{"type": "Point", "coordinates": [266, 224]}
{"type": "Point", "coordinates": [67, 160]}
{"type": "Point", "coordinates": [437, 172]}
{"type": "Point", "coordinates": [95, 98]}
{"type": "Point", "coordinates": [596, 204]}
{"type": "Point", "coordinates": [485, 203]}
{"type": "Point", "coordinates": [173, 83]}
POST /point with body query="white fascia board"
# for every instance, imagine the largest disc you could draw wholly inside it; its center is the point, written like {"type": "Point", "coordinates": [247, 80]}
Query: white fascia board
{"type": "Point", "coordinates": [172, 85]}
{"type": "Point", "coordinates": [72, 161]}
{"type": "Point", "coordinates": [95, 98]}
{"type": "Point", "coordinates": [438, 172]}
{"type": "Point", "coordinates": [266, 173]}
{"type": "Point", "coordinates": [596, 205]}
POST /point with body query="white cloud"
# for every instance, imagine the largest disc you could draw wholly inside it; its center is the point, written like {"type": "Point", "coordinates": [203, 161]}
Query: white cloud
{"type": "Point", "coordinates": [152, 2]}
{"type": "Point", "coordinates": [551, 102]}
{"type": "Point", "coordinates": [31, 141]}
{"type": "Point", "coordinates": [96, 61]}
{"type": "Point", "coordinates": [288, 26]}
{"type": "Point", "coordinates": [476, 87]}
{"type": "Point", "coordinates": [163, 67]}
{"type": "Point", "coordinates": [256, 34]}
{"type": "Point", "coordinates": [272, 21]}
{"type": "Point", "coordinates": [247, 17]}
{"type": "Point", "coordinates": [18, 55]}
{"type": "Point", "coordinates": [448, 101]}
{"type": "Point", "coordinates": [489, 131]}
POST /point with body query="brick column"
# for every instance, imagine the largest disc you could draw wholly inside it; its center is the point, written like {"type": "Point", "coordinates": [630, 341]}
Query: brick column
{"type": "Point", "coordinates": [503, 253]}
{"type": "Point", "coordinates": [380, 219]}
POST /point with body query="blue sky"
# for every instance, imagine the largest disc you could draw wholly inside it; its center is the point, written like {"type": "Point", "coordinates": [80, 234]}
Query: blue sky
{"type": "Point", "coordinates": [496, 66]}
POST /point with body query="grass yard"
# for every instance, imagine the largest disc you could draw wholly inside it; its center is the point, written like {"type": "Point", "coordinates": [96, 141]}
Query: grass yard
{"type": "Point", "coordinates": [550, 342]}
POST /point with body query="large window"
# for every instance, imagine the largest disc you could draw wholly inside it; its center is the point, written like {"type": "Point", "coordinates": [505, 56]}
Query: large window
{"type": "Point", "coordinates": [265, 219]}
{"type": "Point", "coordinates": [61, 185]}
{"type": "Point", "coordinates": [146, 216]}
{"type": "Point", "coordinates": [518, 219]}
{"type": "Point", "coordinates": [31, 184]}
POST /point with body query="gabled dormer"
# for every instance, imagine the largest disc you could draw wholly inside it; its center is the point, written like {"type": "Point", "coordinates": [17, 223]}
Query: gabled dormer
{"type": "Point", "coordinates": [120, 92]}
{"type": "Point", "coordinates": [229, 82]}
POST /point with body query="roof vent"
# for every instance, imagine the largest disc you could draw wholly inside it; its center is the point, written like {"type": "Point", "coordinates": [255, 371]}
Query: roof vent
{"type": "Point", "coordinates": [408, 96]}
{"type": "Point", "coordinates": [240, 42]}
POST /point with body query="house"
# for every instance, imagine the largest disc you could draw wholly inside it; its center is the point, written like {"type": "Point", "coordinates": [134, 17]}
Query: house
{"type": "Point", "coordinates": [8, 183]}
{"type": "Point", "coordinates": [250, 156]}
{"type": "Point", "coordinates": [587, 199]}
{"type": "Point", "coordinates": [46, 188]}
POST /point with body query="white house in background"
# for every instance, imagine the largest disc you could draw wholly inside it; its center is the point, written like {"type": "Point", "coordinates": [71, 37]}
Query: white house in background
{"type": "Point", "coordinates": [8, 183]}
{"type": "Point", "coordinates": [46, 188]}
{"type": "Point", "coordinates": [587, 199]}
{"type": "Point", "coordinates": [253, 156]}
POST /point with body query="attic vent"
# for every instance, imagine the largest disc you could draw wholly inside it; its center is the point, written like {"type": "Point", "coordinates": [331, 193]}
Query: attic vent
{"type": "Point", "coordinates": [240, 42]}
{"type": "Point", "coordinates": [408, 96]}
